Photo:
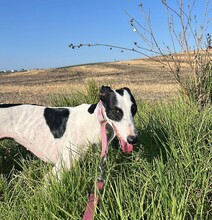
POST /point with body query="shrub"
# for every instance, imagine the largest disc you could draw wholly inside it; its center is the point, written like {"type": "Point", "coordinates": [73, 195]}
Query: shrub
{"type": "Point", "coordinates": [201, 92]}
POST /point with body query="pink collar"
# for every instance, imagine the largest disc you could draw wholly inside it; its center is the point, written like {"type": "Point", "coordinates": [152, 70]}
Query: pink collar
{"type": "Point", "coordinates": [103, 123]}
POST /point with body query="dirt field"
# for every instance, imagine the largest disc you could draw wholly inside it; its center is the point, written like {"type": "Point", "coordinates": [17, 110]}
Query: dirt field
{"type": "Point", "coordinates": [146, 79]}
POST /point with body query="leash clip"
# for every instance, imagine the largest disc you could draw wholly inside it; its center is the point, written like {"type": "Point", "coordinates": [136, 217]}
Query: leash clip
{"type": "Point", "coordinates": [102, 169]}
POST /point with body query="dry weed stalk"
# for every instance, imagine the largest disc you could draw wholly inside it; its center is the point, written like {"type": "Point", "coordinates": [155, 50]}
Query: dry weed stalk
{"type": "Point", "coordinates": [188, 58]}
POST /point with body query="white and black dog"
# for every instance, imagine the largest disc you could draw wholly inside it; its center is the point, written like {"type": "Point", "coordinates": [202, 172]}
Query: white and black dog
{"type": "Point", "coordinates": [61, 135]}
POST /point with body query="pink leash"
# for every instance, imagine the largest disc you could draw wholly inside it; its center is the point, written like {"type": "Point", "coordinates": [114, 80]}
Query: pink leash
{"type": "Point", "coordinates": [94, 198]}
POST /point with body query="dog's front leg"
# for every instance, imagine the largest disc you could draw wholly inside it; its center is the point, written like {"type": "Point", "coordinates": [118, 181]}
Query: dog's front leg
{"type": "Point", "coordinates": [66, 160]}
{"type": "Point", "coordinates": [57, 170]}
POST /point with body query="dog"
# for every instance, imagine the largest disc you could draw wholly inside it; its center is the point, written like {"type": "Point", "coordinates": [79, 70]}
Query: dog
{"type": "Point", "coordinates": [61, 135]}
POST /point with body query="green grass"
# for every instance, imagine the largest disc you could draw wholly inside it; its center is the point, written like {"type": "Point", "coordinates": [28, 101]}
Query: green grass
{"type": "Point", "coordinates": [168, 176]}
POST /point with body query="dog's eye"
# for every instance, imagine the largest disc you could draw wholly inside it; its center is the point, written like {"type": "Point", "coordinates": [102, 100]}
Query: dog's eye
{"type": "Point", "coordinates": [117, 111]}
{"type": "Point", "coordinates": [115, 114]}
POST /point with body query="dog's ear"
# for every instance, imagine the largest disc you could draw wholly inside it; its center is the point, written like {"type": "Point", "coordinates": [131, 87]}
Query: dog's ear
{"type": "Point", "coordinates": [126, 88]}
{"type": "Point", "coordinates": [121, 91]}
{"type": "Point", "coordinates": [104, 92]}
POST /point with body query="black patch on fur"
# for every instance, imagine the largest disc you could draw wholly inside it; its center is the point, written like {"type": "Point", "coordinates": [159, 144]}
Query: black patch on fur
{"type": "Point", "coordinates": [104, 93]}
{"type": "Point", "coordinates": [134, 105]}
{"type": "Point", "coordinates": [108, 98]}
{"type": "Point", "coordinates": [9, 105]}
{"type": "Point", "coordinates": [92, 108]}
{"type": "Point", "coordinates": [120, 91]}
{"type": "Point", "coordinates": [56, 119]}
{"type": "Point", "coordinates": [133, 109]}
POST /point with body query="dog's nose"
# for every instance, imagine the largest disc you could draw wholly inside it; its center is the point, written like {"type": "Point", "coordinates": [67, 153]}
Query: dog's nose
{"type": "Point", "coordinates": [132, 139]}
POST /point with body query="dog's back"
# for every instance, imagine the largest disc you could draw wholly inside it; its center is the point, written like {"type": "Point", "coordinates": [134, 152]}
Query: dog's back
{"type": "Point", "coordinates": [27, 125]}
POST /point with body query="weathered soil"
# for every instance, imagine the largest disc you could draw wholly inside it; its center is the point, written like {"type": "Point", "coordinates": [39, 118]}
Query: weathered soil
{"type": "Point", "coordinates": [148, 80]}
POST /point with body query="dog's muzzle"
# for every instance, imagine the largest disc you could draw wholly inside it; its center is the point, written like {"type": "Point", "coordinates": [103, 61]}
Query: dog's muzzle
{"type": "Point", "coordinates": [127, 147]}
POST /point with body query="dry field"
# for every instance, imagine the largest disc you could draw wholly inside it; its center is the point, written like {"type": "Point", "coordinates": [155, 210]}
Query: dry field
{"type": "Point", "coordinates": [146, 78]}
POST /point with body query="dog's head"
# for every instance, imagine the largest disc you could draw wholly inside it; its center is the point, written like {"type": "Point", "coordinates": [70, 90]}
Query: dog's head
{"type": "Point", "coordinates": [119, 110]}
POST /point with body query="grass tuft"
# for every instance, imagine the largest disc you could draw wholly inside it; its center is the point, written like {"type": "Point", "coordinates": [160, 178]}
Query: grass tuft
{"type": "Point", "coordinates": [90, 95]}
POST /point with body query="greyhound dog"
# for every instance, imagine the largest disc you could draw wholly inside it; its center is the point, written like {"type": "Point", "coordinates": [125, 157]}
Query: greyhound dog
{"type": "Point", "coordinates": [61, 135]}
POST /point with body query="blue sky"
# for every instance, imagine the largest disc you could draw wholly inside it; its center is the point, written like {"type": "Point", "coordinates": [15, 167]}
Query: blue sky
{"type": "Point", "coordinates": [36, 33]}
